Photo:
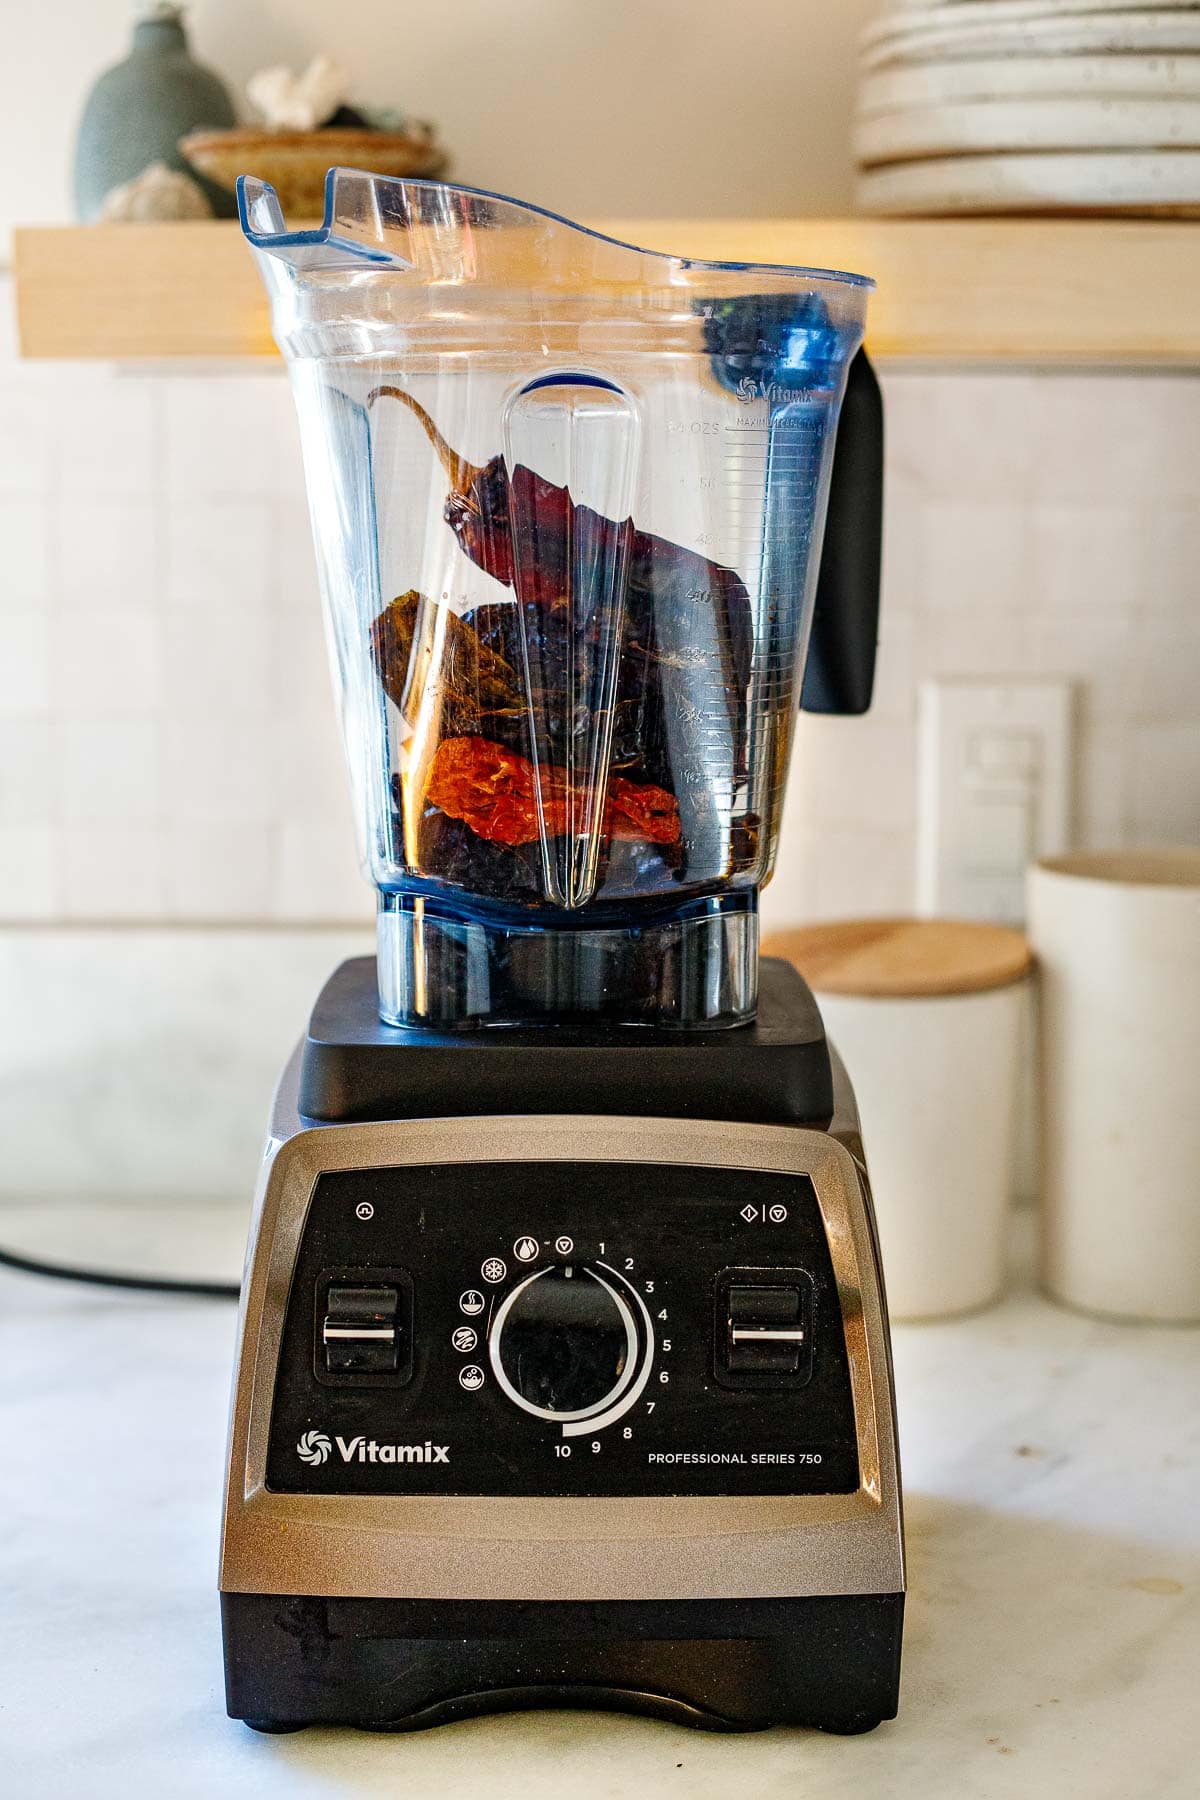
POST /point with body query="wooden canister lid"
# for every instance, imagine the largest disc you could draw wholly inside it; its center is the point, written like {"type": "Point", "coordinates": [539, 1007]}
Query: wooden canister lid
{"type": "Point", "coordinates": [903, 958]}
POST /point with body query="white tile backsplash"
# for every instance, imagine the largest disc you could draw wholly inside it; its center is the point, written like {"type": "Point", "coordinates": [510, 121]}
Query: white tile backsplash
{"type": "Point", "coordinates": [27, 787]}
{"type": "Point", "coordinates": [1162, 676]}
{"type": "Point", "coordinates": [105, 553]}
{"type": "Point", "coordinates": [1095, 647]}
{"type": "Point", "coordinates": [28, 878]}
{"type": "Point", "coordinates": [219, 871]}
{"type": "Point", "coordinates": [300, 676]}
{"type": "Point", "coordinates": [218, 659]}
{"type": "Point", "coordinates": [107, 660]}
{"type": "Point", "coordinates": [1083, 556]}
{"type": "Point", "coordinates": [218, 552]}
{"type": "Point", "coordinates": [24, 663]}
{"type": "Point", "coordinates": [27, 405]}
{"type": "Point", "coordinates": [231, 435]}
{"type": "Point", "coordinates": [108, 434]}
{"type": "Point", "coordinates": [219, 768]}
{"type": "Point", "coordinates": [312, 784]}
{"type": "Point", "coordinates": [1171, 424]}
{"type": "Point", "coordinates": [109, 772]}
{"type": "Point", "coordinates": [1164, 782]}
{"type": "Point", "coordinates": [163, 682]}
{"type": "Point", "coordinates": [850, 871]}
{"type": "Point", "coordinates": [969, 444]}
{"type": "Point", "coordinates": [113, 871]}
{"type": "Point", "coordinates": [318, 878]}
{"type": "Point", "coordinates": [976, 556]}
{"type": "Point", "coordinates": [1097, 438]}
{"type": "Point", "coordinates": [1100, 802]}
{"type": "Point", "coordinates": [960, 642]}
{"type": "Point", "coordinates": [292, 555]}
{"type": "Point", "coordinates": [895, 665]}
{"type": "Point", "coordinates": [1168, 556]}
{"type": "Point", "coordinates": [25, 535]}
{"type": "Point", "coordinates": [855, 772]}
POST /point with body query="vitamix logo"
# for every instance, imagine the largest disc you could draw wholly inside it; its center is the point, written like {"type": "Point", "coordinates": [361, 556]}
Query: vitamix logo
{"type": "Point", "coordinates": [774, 391]}
{"type": "Point", "coordinates": [314, 1447]}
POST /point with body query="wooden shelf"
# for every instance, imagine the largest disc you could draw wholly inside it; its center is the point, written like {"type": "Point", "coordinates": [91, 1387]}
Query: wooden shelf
{"type": "Point", "coordinates": [971, 290]}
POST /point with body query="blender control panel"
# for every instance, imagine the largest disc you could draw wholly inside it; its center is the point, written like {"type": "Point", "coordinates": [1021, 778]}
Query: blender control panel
{"type": "Point", "coordinates": [554, 1329]}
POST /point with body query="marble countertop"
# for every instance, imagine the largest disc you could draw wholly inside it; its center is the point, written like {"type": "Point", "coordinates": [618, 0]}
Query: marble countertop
{"type": "Point", "coordinates": [1052, 1644]}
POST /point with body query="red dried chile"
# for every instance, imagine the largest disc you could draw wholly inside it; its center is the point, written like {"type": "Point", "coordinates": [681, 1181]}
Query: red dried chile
{"type": "Point", "coordinates": [493, 791]}
{"type": "Point", "coordinates": [523, 531]}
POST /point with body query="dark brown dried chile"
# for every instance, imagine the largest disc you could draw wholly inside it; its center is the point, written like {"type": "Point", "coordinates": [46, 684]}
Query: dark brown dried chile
{"type": "Point", "coordinates": [684, 654]}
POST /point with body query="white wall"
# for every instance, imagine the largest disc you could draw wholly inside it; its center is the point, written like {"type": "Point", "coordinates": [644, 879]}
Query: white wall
{"type": "Point", "coordinates": [602, 107]}
{"type": "Point", "coordinates": [1036, 524]}
{"type": "Point", "coordinates": [167, 747]}
{"type": "Point", "coordinates": [169, 770]}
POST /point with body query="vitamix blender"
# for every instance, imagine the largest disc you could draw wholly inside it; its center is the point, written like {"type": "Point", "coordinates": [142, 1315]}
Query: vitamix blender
{"type": "Point", "coordinates": [564, 1374]}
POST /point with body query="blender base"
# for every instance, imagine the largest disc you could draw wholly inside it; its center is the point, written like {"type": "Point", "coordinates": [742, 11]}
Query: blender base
{"type": "Point", "coordinates": [773, 1071]}
{"type": "Point", "coordinates": [563, 1381]}
{"type": "Point", "coordinates": [831, 1662]}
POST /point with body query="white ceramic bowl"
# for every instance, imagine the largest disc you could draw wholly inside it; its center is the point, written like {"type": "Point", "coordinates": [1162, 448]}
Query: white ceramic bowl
{"type": "Point", "coordinates": [1033, 32]}
{"type": "Point", "coordinates": [951, 82]}
{"type": "Point", "coordinates": [976, 127]}
{"type": "Point", "coordinates": [1128, 181]}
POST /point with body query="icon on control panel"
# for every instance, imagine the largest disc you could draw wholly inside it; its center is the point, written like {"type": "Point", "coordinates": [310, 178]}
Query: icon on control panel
{"type": "Point", "coordinates": [525, 1249]}
{"type": "Point", "coordinates": [364, 1210]}
{"type": "Point", "coordinates": [564, 1245]}
{"type": "Point", "coordinates": [465, 1338]}
{"type": "Point", "coordinates": [749, 1213]}
{"type": "Point", "coordinates": [494, 1268]}
{"type": "Point", "coordinates": [470, 1377]}
{"type": "Point", "coordinates": [471, 1302]}
{"type": "Point", "coordinates": [777, 1214]}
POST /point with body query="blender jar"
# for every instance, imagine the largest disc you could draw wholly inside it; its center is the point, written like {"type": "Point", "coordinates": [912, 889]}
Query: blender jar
{"type": "Point", "coordinates": [567, 500]}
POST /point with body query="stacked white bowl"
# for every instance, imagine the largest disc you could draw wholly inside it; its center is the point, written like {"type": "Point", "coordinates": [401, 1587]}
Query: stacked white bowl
{"type": "Point", "coordinates": [1042, 106]}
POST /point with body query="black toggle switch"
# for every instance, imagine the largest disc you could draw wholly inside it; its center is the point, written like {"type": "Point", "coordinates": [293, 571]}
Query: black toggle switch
{"type": "Point", "coordinates": [363, 1327]}
{"type": "Point", "coordinates": [361, 1330]}
{"type": "Point", "coordinates": [765, 1331]}
{"type": "Point", "coordinates": [763, 1328]}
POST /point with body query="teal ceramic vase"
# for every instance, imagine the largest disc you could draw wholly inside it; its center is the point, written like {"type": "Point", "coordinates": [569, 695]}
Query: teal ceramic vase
{"type": "Point", "coordinates": [138, 111]}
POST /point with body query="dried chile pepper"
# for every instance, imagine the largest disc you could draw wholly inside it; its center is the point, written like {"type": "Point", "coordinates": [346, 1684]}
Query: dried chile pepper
{"type": "Point", "coordinates": [687, 643]}
{"type": "Point", "coordinates": [480, 691]}
{"type": "Point", "coordinates": [522, 676]}
{"type": "Point", "coordinates": [512, 873]}
{"type": "Point", "coordinates": [494, 791]}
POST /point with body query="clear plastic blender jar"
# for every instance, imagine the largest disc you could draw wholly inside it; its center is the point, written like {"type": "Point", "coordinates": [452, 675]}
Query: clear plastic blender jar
{"type": "Point", "coordinates": [567, 499]}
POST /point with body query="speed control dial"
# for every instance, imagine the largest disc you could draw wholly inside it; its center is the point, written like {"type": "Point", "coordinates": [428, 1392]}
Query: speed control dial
{"type": "Point", "coordinates": [572, 1345]}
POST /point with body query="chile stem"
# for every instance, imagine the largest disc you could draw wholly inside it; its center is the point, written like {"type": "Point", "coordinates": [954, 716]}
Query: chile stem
{"type": "Point", "coordinates": [460, 471]}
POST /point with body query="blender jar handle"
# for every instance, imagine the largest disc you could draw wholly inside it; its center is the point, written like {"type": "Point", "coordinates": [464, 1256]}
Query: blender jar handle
{"type": "Point", "coordinates": [840, 671]}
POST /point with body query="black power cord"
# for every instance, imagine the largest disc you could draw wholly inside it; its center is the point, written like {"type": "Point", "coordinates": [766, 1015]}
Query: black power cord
{"type": "Point", "coordinates": [145, 1284]}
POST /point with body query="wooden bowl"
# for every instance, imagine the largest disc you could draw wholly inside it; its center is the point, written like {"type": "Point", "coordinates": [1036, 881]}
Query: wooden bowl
{"type": "Point", "coordinates": [295, 163]}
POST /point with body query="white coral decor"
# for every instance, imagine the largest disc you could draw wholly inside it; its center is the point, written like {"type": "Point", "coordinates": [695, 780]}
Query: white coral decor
{"type": "Point", "coordinates": [290, 102]}
{"type": "Point", "coordinates": [157, 193]}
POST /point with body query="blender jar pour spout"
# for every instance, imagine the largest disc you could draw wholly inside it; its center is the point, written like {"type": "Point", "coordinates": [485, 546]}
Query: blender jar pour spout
{"type": "Point", "coordinates": [444, 233]}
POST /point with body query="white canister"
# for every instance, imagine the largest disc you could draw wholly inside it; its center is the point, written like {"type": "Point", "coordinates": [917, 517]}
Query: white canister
{"type": "Point", "coordinates": [1118, 939]}
{"type": "Point", "coordinates": [927, 1016]}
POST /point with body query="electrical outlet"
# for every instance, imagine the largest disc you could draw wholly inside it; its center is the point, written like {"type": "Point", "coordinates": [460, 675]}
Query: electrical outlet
{"type": "Point", "coordinates": [993, 792]}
